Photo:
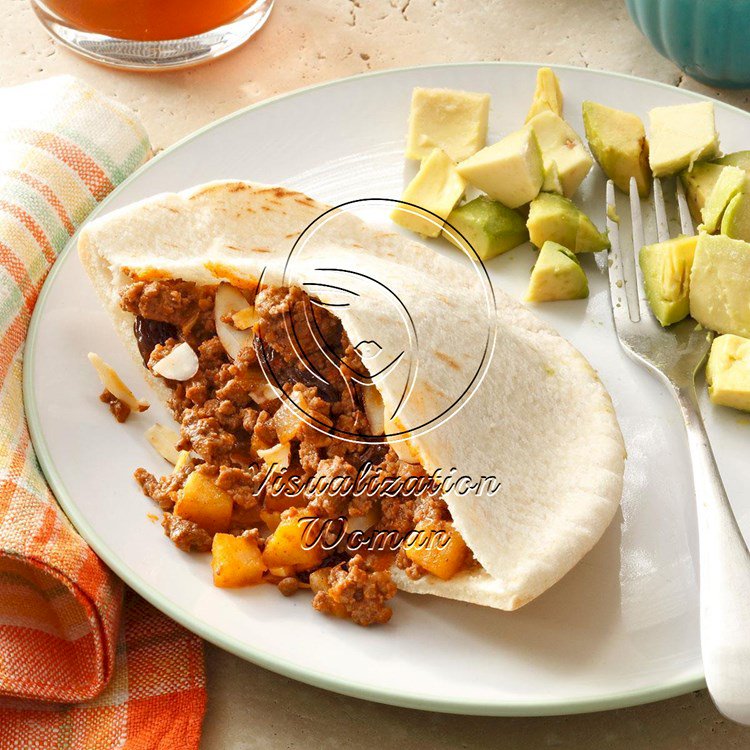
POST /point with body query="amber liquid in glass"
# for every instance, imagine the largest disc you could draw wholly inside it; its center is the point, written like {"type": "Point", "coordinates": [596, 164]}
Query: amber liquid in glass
{"type": "Point", "coordinates": [148, 20]}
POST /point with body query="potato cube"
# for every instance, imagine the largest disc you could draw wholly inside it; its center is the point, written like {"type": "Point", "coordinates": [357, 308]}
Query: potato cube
{"type": "Point", "coordinates": [236, 561]}
{"type": "Point", "coordinates": [443, 555]}
{"type": "Point", "coordinates": [290, 542]}
{"type": "Point", "coordinates": [202, 502]}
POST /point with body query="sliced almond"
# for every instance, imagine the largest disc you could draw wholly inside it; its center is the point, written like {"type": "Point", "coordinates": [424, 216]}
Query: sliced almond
{"type": "Point", "coordinates": [114, 384]}
{"type": "Point", "coordinates": [180, 364]}
{"type": "Point", "coordinates": [276, 458]}
{"type": "Point", "coordinates": [245, 319]}
{"type": "Point", "coordinates": [362, 523]}
{"type": "Point", "coordinates": [374, 409]}
{"type": "Point", "coordinates": [164, 440]}
{"type": "Point", "coordinates": [262, 393]}
{"type": "Point", "coordinates": [230, 300]}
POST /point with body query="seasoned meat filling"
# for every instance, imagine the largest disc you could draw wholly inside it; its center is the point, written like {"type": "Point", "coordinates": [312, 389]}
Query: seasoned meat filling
{"type": "Point", "coordinates": [230, 423]}
{"type": "Point", "coordinates": [119, 408]}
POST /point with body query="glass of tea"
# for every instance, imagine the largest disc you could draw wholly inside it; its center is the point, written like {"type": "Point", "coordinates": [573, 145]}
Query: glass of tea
{"type": "Point", "coordinates": [152, 34]}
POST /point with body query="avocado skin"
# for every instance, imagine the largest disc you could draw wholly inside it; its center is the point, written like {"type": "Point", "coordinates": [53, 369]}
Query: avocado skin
{"type": "Point", "coordinates": [666, 270]}
{"type": "Point", "coordinates": [490, 227]}
{"type": "Point", "coordinates": [556, 218]}
{"type": "Point", "coordinates": [557, 275]}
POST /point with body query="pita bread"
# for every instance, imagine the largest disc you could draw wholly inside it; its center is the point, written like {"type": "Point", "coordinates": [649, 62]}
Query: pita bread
{"type": "Point", "coordinates": [537, 417]}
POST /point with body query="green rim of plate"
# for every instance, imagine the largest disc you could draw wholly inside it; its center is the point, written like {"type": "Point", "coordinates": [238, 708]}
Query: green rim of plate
{"type": "Point", "coordinates": [397, 696]}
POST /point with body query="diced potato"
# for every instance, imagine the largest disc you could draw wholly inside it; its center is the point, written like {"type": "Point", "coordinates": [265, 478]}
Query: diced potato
{"type": "Point", "coordinates": [430, 551]}
{"type": "Point", "coordinates": [202, 502]}
{"type": "Point", "coordinates": [285, 572]}
{"type": "Point", "coordinates": [270, 518]}
{"type": "Point", "coordinates": [286, 546]}
{"type": "Point", "coordinates": [236, 561]}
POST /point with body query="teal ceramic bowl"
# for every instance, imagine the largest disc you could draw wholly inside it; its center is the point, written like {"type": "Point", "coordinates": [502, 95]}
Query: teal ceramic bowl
{"type": "Point", "coordinates": [708, 39]}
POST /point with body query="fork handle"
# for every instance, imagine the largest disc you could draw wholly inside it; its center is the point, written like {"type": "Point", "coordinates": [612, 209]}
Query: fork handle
{"type": "Point", "coordinates": [724, 574]}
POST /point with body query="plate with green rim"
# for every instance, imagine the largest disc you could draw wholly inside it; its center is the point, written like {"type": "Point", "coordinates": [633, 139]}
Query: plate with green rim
{"type": "Point", "coordinates": [618, 630]}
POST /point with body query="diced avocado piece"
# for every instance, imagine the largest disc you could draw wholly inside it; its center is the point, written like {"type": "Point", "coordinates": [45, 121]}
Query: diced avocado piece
{"type": "Point", "coordinates": [720, 284]}
{"type": "Point", "coordinates": [490, 227]}
{"type": "Point", "coordinates": [562, 145]}
{"type": "Point", "coordinates": [680, 136]}
{"type": "Point", "coordinates": [556, 218]}
{"type": "Point", "coordinates": [454, 121]}
{"type": "Point", "coordinates": [698, 183]}
{"type": "Point", "coordinates": [739, 159]}
{"type": "Point", "coordinates": [437, 187]}
{"type": "Point", "coordinates": [730, 183]}
{"type": "Point", "coordinates": [510, 171]}
{"type": "Point", "coordinates": [557, 275]}
{"type": "Point", "coordinates": [666, 278]}
{"type": "Point", "coordinates": [547, 96]}
{"type": "Point", "coordinates": [735, 222]}
{"type": "Point", "coordinates": [618, 142]}
{"type": "Point", "coordinates": [552, 182]}
{"type": "Point", "coordinates": [728, 372]}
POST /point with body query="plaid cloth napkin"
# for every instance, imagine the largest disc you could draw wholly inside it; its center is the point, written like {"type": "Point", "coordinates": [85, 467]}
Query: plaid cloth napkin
{"type": "Point", "coordinates": [79, 670]}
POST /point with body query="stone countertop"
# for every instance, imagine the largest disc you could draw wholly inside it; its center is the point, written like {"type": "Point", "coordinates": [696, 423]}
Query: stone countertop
{"type": "Point", "coordinates": [310, 42]}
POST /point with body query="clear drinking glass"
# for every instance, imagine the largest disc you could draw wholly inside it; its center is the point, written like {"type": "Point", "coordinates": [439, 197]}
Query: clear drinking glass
{"type": "Point", "coordinates": [152, 34]}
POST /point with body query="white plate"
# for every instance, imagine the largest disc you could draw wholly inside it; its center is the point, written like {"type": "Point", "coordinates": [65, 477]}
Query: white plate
{"type": "Point", "coordinates": [620, 629]}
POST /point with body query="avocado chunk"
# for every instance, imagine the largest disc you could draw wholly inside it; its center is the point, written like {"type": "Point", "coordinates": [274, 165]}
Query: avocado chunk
{"type": "Point", "coordinates": [557, 275]}
{"type": "Point", "coordinates": [666, 278]}
{"type": "Point", "coordinates": [730, 183]}
{"type": "Point", "coordinates": [618, 142]}
{"type": "Point", "coordinates": [728, 372]}
{"type": "Point", "coordinates": [556, 218]}
{"type": "Point", "coordinates": [552, 182]}
{"type": "Point", "coordinates": [720, 284]}
{"type": "Point", "coordinates": [698, 183]}
{"type": "Point", "coordinates": [680, 136]}
{"type": "Point", "coordinates": [437, 188]}
{"type": "Point", "coordinates": [739, 159]}
{"type": "Point", "coordinates": [547, 96]}
{"type": "Point", "coordinates": [490, 227]}
{"type": "Point", "coordinates": [510, 171]}
{"type": "Point", "coordinates": [735, 222]}
{"type": "Point", "coordinates": [454, 121]}
{"type": "Point", "coordinates": [561, 145]}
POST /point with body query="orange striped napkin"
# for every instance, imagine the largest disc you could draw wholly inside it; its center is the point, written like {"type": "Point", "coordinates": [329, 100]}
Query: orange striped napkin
{"type": "Point", "coordinates": [79, 670]}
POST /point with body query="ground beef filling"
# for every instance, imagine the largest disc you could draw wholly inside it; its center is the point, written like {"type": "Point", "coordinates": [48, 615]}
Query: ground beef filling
{"type": "Point", "coordinates": [119, 408]}
{"type": "Point", "coordinates": [226, 415]}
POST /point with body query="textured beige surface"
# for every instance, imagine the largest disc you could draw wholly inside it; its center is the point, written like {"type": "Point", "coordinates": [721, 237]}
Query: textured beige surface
{"type": "Point", "coordinates": [309, 41]}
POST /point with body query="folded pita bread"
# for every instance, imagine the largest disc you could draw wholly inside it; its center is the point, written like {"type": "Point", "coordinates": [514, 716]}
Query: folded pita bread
{"type": "Point", "coordinates": [537, 417]}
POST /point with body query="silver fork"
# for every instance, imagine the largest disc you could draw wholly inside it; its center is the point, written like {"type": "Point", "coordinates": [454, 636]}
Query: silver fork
{"type": "Point", "coordinates": [674, 355]}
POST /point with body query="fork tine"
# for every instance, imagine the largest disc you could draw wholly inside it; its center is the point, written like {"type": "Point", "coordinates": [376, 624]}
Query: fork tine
{"type": "Point", "coordinates": [686, 220]}
{"type": "Point", "coordinates": [614, 262]}
{"type": "Point", "coordinates": [632, 270]}
{"type": "Point", "coordinates": [662, 223]}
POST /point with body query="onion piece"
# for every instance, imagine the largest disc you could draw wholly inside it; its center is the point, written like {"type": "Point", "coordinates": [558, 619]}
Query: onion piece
{"type": "Point", "coordinates": [180, 364]}
{"type": "Point", "coordinates": [164, 440]}
{"type": "Point", "coordinates": [114, 384]}
{"type": "Point", "coordinates": [230, 300]}
{"type": "Point", "coordinates": [276, 458]}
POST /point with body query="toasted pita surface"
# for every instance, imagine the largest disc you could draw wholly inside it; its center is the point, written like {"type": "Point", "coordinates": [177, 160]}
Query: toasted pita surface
{"type": "Point", "coordinates": [537, 418]}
